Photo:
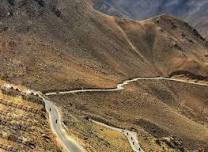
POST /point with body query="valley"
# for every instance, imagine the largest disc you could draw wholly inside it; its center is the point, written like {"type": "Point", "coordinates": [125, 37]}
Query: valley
{"type": "Point", "coordinates": [104, 83]}
{"type": "Point", "coordinates": [185, 113]}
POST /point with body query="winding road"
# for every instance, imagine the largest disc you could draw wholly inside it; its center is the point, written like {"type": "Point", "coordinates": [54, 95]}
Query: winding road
{"type": "Point", "coordinates": [120, 86]}
{"type": "Point", "coordinates": [67, 142]}
{"type": "Point", "coordinates": [132, 136]}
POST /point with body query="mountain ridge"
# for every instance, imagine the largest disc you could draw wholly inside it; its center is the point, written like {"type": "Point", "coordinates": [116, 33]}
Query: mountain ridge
{"type": "Point", "coordinates": [30, 30]}
{"type": "Point", "coordinates": [194, 12]}
{"type": "Point", "coordinates": [55, 45]}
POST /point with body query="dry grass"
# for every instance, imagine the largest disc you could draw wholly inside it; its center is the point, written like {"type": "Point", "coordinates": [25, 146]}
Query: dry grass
{"type": "Point", "coordinates": [24, 126]}
{"type": "Point", "coordinates": [97, 138]}
{"type": "Point", "coordinates": [91, 49]}
{"type": "Point", "coordinates": [84, 48]}
{"type": "Point", "coordinates": [156, 109]}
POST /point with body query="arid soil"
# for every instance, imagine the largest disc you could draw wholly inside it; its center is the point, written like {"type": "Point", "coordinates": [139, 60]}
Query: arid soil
{"type": "Point", "coordinates": [50, 45]}
{"type": "Point", "coordinates": [65, 44]}
{"type": "Point", "coordinates": [24, 124]}
{"type": "Point", "coordinates": [194, 12]}
{"type": "Point", "coordinates": [168, 116]}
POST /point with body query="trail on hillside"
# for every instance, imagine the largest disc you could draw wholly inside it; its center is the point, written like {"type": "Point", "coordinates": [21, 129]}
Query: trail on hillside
{"type": "Point", "coordinates": [120, 86]}
{"type": "Point", "coordinates": [132, 137]}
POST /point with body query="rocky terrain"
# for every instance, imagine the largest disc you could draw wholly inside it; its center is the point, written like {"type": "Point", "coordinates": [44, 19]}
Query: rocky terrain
{"type": "Point", "coordinates": [24, 123]}
{"type": "Point", "coordinates": [53, 45]}
{"type": "Point", "coordinates": [195, 12]}
{"type": "Point", "coordinates": [168, 116]}
{"type": "Point", "coordinates": [66, 44]}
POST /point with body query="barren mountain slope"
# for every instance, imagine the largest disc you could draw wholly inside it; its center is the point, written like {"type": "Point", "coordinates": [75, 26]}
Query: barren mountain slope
{"type": "Point", "coordinates": [195, 12]}
{"type": "Point", "coordinates": [24, 123]}
{"type": "Point", "coordinates": [66, 44]}
{"type": "Point", "coordinates": [168, 116]}
{"type": "Point", "coordinates": [61, 44]}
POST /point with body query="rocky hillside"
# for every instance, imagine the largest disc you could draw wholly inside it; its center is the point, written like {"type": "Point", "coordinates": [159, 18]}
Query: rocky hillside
{"type": "Point", "coordinates": [48, 44]}
{"type": "Point", "coordinates": [195, 12]}
{"type": "Point", "coordinates": [23, 122]}
{"type": "Point", "coordinates": [168, 116]}
{"type": "Point", "coordinates": [51, 45]}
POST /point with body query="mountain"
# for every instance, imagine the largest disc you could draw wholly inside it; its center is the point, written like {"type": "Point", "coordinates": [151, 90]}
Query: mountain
{"type": "Point", "coordinates": [69, 44]}
{"type": "Point", "coordinates": [54, 45]}
{"type": "Point", "coordinates": [192, 11]}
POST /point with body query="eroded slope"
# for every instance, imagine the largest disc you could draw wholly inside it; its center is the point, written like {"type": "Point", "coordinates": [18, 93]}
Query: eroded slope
{"type": "Point", "coordinates": [195, 12]}
{"type": "Point", "coordinates": [23, 123]}
{"type": "Point", "coordinates": [50, 45]}
{"type": "Point", "coordinates": [167, 115]}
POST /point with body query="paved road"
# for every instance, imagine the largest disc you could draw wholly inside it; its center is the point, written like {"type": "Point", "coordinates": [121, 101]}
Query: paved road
{"type": "Point", "coordinates": [55, 121]}
{"type": "Point", "coordinates": [131, 136]}
{"type": "Point", "coordinates": [68, 143]}
{"type": "Point", "coordinates": [120, 86]}
{"type": "Point", "coordinates": [71, 145]}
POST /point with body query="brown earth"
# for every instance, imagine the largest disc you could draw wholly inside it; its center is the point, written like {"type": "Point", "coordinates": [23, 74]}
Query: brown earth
{"type": "Point", "coordinates": [50, 45]}
{"type": "Point", "coordinates": [194, 12]}
{"type": "Point", "coordinates": [157, 110]}
{"type": "Point", "coordinates": [24, 124]}
{"type": "Point", "coordinates": [66, 44]}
